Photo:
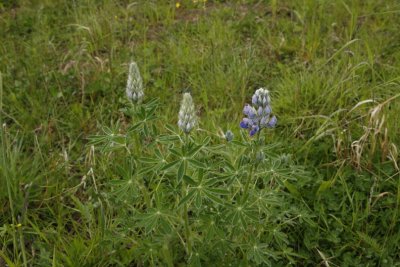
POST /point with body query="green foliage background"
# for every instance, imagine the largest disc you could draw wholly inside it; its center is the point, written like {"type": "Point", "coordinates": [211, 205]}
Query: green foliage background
{"type": "Point", "coordinates": [333, 71]}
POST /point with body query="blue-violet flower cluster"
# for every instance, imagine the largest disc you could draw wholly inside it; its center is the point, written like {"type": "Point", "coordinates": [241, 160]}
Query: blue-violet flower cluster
{"type": "Point", "coordinates": [259, 115]}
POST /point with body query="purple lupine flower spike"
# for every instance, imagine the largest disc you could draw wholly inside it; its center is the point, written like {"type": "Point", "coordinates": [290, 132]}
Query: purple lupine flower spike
{"type": "Point", "coordinates": [259, 115]}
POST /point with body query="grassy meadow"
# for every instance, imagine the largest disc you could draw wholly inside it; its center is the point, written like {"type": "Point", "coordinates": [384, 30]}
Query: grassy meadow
{"type": "Point", "coordinates": [89, 178]}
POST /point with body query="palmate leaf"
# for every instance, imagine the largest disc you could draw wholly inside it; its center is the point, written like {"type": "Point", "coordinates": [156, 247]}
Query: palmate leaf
{"type": "Point", "coordinates": [280, 237]}
{"type": "Point", "coordinates": [153, 218]}
{"type": "Point", "coordinates": [187, 198]}
{"type": "Point", "coordinates": [265, 200]}
{"type": "Point", "coordinates": [203, 190]}
{"type": "Point", "coordinates": [194, 150]}
{"type": "Point", "coordinates": [213, 197]}
{"type": "Point", "coordinates": [210, 223]}
{"type": "Point", "coordinates": [153, 164]}
{"type": "Point", "coordinates": [261, 253]}
{"type": "Point", "coordinates": [241, 215]}
{"type": "Point", "coordinates": [109, 141]}
{"type": "Point", "coordinates": [124, 189]}
{"type": "Point", "coordinates": [135, 127]}
{"type": "Point", "coordinates": [231, 172]}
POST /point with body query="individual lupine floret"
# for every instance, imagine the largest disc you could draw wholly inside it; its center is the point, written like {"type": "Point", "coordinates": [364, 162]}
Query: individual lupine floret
{"type": "Point", "coordinates": [260, 115]}
{"type": "Point", "coordinates": [134, 86]}
{"type": "Point", "coordinates": [229, 136]}
{"type": "Point", "coordinates": [187, 114]}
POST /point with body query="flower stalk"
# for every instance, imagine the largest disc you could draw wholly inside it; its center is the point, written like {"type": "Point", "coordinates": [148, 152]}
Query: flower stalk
{"type": "Point", "coordinates": [187, 120]}
{"type": "Point", "coordinates": [258, 116]}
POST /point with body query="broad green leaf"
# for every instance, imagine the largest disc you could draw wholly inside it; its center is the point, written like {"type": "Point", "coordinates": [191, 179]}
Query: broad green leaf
{"type": "Point", "coordinates": [181, 170]}
{"type": "Point", "coordinates": [197, 164]}
{"type": "Point", "coordinates": [194, 151]}
{"type": "Point", "coordinates": [213, 198]}
{"type": "Point", "coordinates": [147, 169]}
{"type": "Point", "coordinates": [189, 180]}
{"type": "Point", "coordinates": [292, 189]}
{"type": "Point", "coordinates": [135, 126]}
{"type": "Point", "coordinates": [175, 152]}
{"type": "Point", "coordinates": [170, 165]}
{"type": "Point", "coordinates": [218, 191]}
{"type": "Point", "coordinates": [187, 198]}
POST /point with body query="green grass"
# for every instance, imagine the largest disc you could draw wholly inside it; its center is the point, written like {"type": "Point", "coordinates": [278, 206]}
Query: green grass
{"type": "Point", "coordinates": [333, 71]}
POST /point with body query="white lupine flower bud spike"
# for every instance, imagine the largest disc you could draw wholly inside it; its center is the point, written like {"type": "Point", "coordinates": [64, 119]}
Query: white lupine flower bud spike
{"type": "Point", "coordinates": [134, 86]}
{"type": "Point", "coordinates": [187, 114]}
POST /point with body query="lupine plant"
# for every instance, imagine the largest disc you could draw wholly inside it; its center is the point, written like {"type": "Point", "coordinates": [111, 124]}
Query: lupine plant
{"type": "Point", "coordinates": [186, 198]}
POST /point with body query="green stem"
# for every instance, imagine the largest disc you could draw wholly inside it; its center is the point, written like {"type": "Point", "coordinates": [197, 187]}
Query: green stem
{"type": "Point", "coordinates": [145, 194]}
{"type": "Point", "coordinates": [136, 137]}
{"type": "Point", "coordinates": [22, 244]}
{"type": "Point", "coordinates": [187, 229]}
{"type": "Point", "coordinates": [246, 187]}
{"type": "Point", "coordinates": [185, 207]}
{"type": "Point", "coordinates": [253, 166]}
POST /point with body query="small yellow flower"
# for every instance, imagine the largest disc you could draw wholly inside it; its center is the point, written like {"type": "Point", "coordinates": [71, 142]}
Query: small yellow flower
{"type": "Point", "coordinates": [178, 5]}
{"type": "Point", "coordinates": [19, 225]}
